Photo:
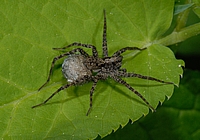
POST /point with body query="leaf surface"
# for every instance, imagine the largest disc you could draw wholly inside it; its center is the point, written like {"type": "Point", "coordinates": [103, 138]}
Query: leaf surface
{"type": "Point", "coordinates": [29, 32]}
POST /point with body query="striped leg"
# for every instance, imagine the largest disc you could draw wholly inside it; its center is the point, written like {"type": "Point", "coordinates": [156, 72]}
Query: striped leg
{"type": "Point", "coordinates": [133, 90]}
{"type": "Point", "coordinates": [94, 50]}
{"type": "Point", "coordinates": [61, 88]}
{"type": "Point", "coordinates": [122, 74]}
{"type": "Point", "coordinates": [117, 53]}
{"type": "Point", "coordinates": [91, 94]}
{"type": "Point", "coordinates": [77, 82]}
{"type": "Point", "coordinates": [104, 43]}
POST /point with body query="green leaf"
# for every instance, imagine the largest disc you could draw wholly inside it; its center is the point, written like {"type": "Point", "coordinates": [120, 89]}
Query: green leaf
{"type": "Point", "coordinates": [180, 8]}
{"type": "Point", "coordinates": [177, 118]}
{"type": "Point", "coordinates": [29, 31]}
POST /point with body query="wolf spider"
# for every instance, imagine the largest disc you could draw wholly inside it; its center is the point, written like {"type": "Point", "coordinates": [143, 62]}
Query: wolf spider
{"type": "Point", "coordinates": [81, 68]}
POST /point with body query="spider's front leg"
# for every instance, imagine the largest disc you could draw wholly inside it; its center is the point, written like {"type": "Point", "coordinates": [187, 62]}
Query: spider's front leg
{"type": "Point", "coordinates": [94, 50]}
{"type": "Point", "coordinates": [119, 52]}
{"type": "Point", "coordinates": [59, 57]}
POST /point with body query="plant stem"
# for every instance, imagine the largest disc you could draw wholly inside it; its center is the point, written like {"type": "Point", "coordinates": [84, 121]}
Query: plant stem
{"type": "Point", "coordinates": [183, 34]}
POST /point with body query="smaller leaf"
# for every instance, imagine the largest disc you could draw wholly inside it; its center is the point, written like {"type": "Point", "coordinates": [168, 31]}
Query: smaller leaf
{"type": "Point", "coordinates": [196, 9]}
{"type": "Point", "coordinates": [180, 8]}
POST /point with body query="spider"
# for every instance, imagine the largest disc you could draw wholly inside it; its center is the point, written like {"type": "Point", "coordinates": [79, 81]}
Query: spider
{"type": "Point", "coordinates": [81, 68]}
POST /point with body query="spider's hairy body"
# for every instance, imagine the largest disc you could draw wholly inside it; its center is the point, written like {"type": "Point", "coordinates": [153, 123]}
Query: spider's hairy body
{"type": "Point", "coordinates": [77, 66]}
{"type": "Point", "coordinates": [81, 68]}
{"type": "Point", "coordinates": [106, 64]}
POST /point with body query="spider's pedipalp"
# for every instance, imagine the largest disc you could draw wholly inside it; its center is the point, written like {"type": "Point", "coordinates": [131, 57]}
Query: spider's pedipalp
{"type": "Point", "coordinates": [104, 44]}
{"type": "Point", "coordinates": [117, 53]}
{"type": "Point", "coordinates": [94, 50]}
{"type": "Point", "coordinates": [119, 80]}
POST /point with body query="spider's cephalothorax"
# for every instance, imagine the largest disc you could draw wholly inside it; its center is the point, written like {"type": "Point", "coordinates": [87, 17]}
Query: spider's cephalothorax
{"type": "Point", "coordinates": [81, 68]}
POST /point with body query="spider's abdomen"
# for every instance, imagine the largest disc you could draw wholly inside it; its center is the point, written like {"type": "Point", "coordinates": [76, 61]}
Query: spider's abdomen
{"type": "Point", "coordinates": [73, 68]}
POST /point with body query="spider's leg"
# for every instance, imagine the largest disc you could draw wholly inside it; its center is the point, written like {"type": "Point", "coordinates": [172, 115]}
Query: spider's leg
{"type": "Point", "coordinates": [104, 43]}
{"type": "Point", "coordinates": [117, 53]}
{"type": "Point", "coordinates": [61, 88]}
{"type": "Point", "coordinates": [94, 50]}
{"type": "Point", "coordinates": [91, 94]}
{"type": "Point", "coordinates": [119, 80]}
{"type": "Point", "coordinates": [123, 70]}
{"type": "Point", "coordinates": [143, 77]}
{"type": "Point", "coordinates": [59, 57]}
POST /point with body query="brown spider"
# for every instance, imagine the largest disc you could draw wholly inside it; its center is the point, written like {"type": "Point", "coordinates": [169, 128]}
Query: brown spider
{"type": "Point", "coordinates": [81, 68]}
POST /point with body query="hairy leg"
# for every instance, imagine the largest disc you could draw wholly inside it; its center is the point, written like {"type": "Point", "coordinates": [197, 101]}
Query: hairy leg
{"type": "Point", "coordinates": [94, 50]}
{"type": "Point", "coordinates": [124, 74]}
{"type": "Point", "coordinates": [61, 88]}
{"type": "Point", "coordinates": [91, 94]}
{"type": "Point", "coordinates": [117, 53]}
{"type": "Point", "coordinates": [80, 81]}
{"type": "Point", "coordinates": [133, 90]}
{"type": "Point", "coordinates": [104, 43]}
